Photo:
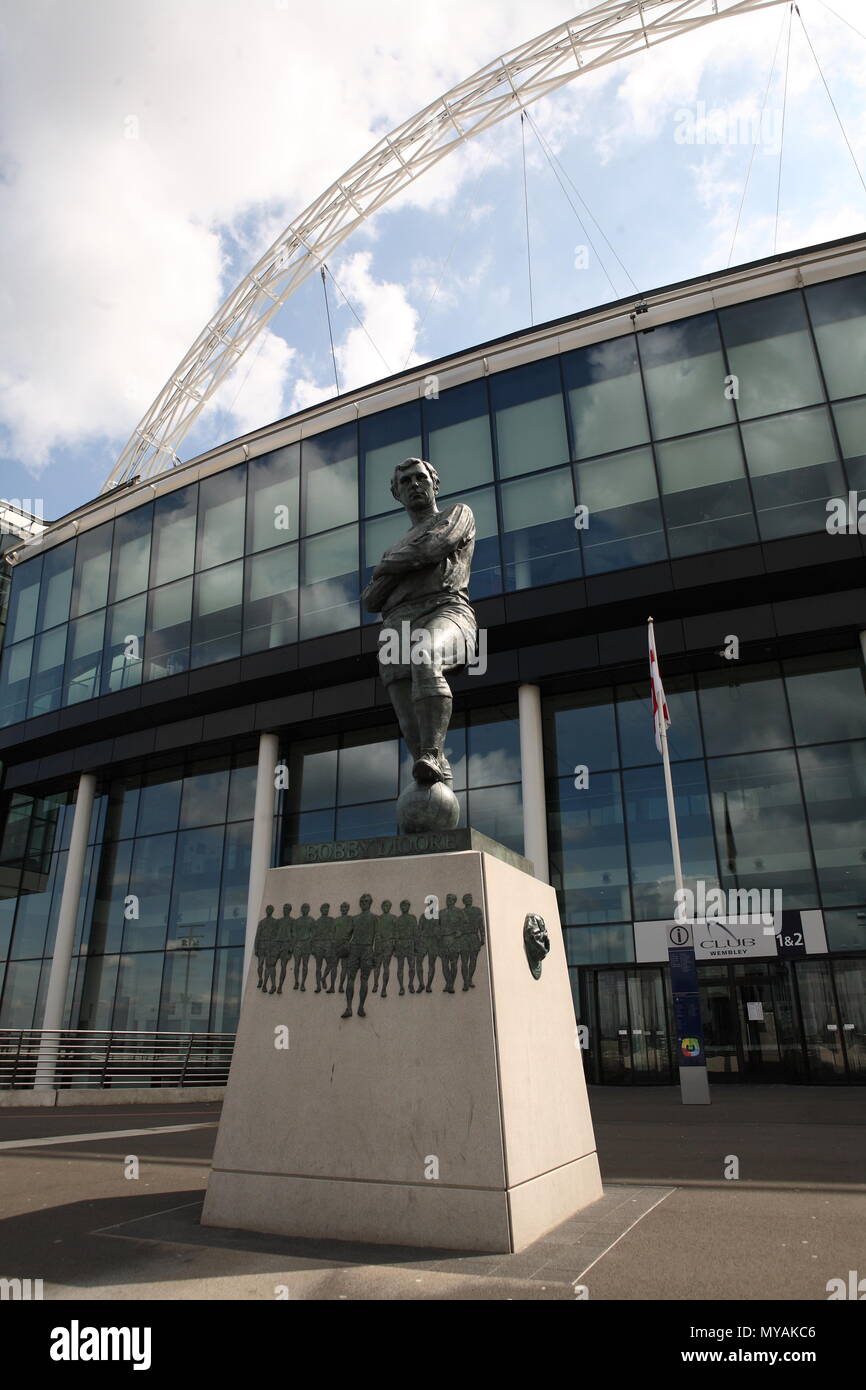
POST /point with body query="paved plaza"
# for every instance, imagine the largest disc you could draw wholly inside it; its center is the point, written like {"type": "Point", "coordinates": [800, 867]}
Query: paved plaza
{"type": "Point", "coordinates": [670, 1226]}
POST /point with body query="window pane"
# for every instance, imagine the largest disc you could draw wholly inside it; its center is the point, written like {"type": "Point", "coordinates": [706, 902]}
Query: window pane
{"type": "Point", "coordinates": [386, 440]}
{"type": "Point", "coordinates": [167, 649]}
{"type": "Point", "coordinates": [605, 395]}
{"type": "Point", "coordinates": [458, 433]}
{"type": "Point", "coordinates": [235, 883]}
{"type": "Point", "coordinates": [46, 681]}
{"type": "Point", "coordinates": [136, 1005]}
{"type": "Point", "coordinates": [498, 813]}
{"type": "Point", "coordinates": [540, 543]}
{"type": "Point", "coordinates": [494, 749]}
{"type": "Point", "coordinates": [317, 783]}
{"type": "Point", "coordinates": [770, 352]}
{"type": "Point", "coordinates": [271, 607]}
{"type": "Point", "coordinates": [242, 788]}
{"type": "Point", "coordinates": [838, 310]}
{"type": "Point", "coordinates": [529, 418]}
{"type": "Point", "coordinates": [84, 658]}
{"type": "Point", "coordinates": [793, 466]}
{"type": "Point", "coordinates": [35, 910]}
{"type": "Point", "coordinates": [368, 772]}
{"type": "Point", "coordinates": [744, 711]}
{"type": "Point", "coordinates": [173, 535]}
{"type": "Point", "coordinates": [587, 850]}
{"type": "Point", "coordinates": [606, 945]}
{"type": "Point", "coordinates": [761, 827]}
{"type": "Point", "coordinates": [378, 534]}
{"type": "Point", "coordinates": [203, 800]}
{"type": "Point", "coordinates": [827, 697]}
{"type": "Point", "coordinates": [158, 803]}
{"type": "Point", "coordinates": [186, 991]}
{"type": "Point", "coordinates": [195, 892]}
{"type": "Point", "coordinates": [228, 979]}
{"type": "Point", "coordinates": [97, 994]}
{"type": "Point", "coordinates": [14, 682]}
{"type": "Point", "coordinates": [846, 931]}
{"type": "Point", "coordinates": [150, 882]}
{"type": "Point", "coordinates": [222, 504]}
{"type": "Point", "coordinates": [580, 732]}
{"type": "Point", "coordinates": [131, 558]}
{"type": "Point", "coordinates": [56, 585]}
{"type": "Point", "coordinates": [107, 920]}
{"type": "Point", "coordinates": [217, 615]}
{"type": "Point", "coordinates": [834, 783]}
{"type": "Point", "coordinates": [23, 600]}
{"type": "Point", "coordinates": [19, 994]}
{"type": "Point", "coordinates": [652, 869]}
{"type": "Point", "coordinates": [358, 822]}
{"type": "Point", "coordinates": [329, 596]}
{"type": "Point", "coordinates": [486, 576]}
{"type": "Point", "coordinates": [92, 562]}
{"type": "Point", "coordinates": [705, 494]}
{"type": "Point", "coordinates": [124, 644]}
{"type": "Point", "coordinates": [624, 526]}
{"type": "Point", "coordinates": [684, 371]}
{"type": "Point", "coordinates": [330, 479]}
{"type": "Point", "coordinates": [272, 507]}
{"type": "Point", "coordinates": [851, 423]}
{"type": "Point", "coordinates": [636, 730]}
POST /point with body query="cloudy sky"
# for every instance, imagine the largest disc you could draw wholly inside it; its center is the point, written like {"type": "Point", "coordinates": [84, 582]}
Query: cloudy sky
{"type": "Point", "coordinates": [150, 151]}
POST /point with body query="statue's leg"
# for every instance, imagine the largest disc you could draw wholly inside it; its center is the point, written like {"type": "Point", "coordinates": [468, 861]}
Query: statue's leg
{"type": "Point", "coordinates": [400, 693]}
{"type": "Point", "coordinates": [431, 695]}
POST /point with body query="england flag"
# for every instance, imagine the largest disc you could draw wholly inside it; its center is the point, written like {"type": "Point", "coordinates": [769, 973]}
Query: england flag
{"type": "Point", "coordinates": [661, 718]}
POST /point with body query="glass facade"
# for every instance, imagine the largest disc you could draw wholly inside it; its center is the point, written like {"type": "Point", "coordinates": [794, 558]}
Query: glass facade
{"type": "Point", "coordinates": [723, 429]}
{"type": "Point", "coordinates": [698, 435]}
{"type": "Point", "coordinates": [162, 915]}
{"type": "Point", "coordinates": [769, 772]}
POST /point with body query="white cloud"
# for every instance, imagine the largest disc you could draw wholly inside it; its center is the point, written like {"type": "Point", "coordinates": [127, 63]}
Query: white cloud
{"type": "Point", "coordinates": [135, 138]}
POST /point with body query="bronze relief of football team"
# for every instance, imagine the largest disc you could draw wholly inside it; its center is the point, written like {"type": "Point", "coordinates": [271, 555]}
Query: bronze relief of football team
{"type": "Point", "coordinates": [366, 943]}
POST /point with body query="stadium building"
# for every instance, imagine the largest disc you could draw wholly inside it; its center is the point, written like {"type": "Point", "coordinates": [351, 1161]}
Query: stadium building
{"type": "Point", "coordinates": [182, 643]}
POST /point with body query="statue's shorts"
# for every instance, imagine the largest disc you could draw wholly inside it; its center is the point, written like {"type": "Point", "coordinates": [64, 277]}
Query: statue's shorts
{"type": "Point", "coordinates": [419, 642]}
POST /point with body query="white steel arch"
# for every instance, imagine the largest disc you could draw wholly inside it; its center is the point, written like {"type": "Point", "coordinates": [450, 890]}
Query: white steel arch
{"type": "Point", "coordinates": [609, 31]}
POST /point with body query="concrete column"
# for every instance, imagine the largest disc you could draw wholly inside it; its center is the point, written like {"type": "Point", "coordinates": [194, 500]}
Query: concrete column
{"type": "Point", "coordinates": [263, 829]}
{"type": "Point", "coordinates": [532, 778]}
{"type": "Point", "coordinates": [58, 980]}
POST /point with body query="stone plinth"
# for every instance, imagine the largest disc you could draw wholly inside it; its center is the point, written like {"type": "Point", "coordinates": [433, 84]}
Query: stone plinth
{"type": "Point", "coordinates": [456, 1120]}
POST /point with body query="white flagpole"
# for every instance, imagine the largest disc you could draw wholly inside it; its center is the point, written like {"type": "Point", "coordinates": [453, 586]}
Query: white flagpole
{"type": "Point", "coordinates": [694, 1082]}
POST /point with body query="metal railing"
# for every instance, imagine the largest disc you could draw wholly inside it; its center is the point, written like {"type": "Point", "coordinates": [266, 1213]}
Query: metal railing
{"type": "Point", "coordinates": [98, 1059]}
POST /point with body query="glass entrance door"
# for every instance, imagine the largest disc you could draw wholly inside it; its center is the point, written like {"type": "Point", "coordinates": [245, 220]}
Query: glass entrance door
{"type": "Point", "coordinates": [760, 1044]}
{"type": "Point", "coordinates": [648, 1026]}
{"type": "Point", "coordinates": [822, 1030]}
{"type": "Point", "coordinates": [631, 1026]}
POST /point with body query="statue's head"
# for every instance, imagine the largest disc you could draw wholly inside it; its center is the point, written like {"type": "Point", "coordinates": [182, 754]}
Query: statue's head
{"type": "Point", "coordinates": [325, 909]}
{"type": "Point", "coordinates": [414, 482]}
{"type": "Point", "coordinates": [450, 899]}
{"type": "Point", "coordinates": [269, 910]}
{"type": "Point", "coordinates": [366, 902]}
{"type": "Point", "coordinates": [287, 909]}
{"type": "Point", "coordinates": [405, 905]}
{"type": "Point", "coordinates": [344, 908]}
{"type": "Point", "coordinates": [386, 906]}
{"type": "Point", "coordinates": [467, 899]}
{"type": "Point", "coordinates": [305, 909]}
{"type": "Point", "coordinates": [536, 942]}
